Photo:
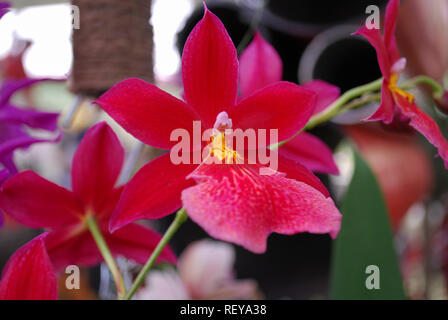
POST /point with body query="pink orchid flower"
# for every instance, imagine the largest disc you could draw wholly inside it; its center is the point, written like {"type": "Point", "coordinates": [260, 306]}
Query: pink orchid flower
{"type": "Point", "coordinates": [395, 102]}
{"type": "Point", "coordinates": [260, 65]}
{"type": "Point", "coordinates": [205, 271]}
{"type": "Point", "coordinates": [29, 274]}
{"type": "Point", "coordinates": [38, 203]}
{"type": "Point", "coordinates": [232, 202]}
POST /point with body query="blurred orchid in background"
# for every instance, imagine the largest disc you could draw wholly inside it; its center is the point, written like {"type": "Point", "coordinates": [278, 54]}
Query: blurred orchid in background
{"type": "Point", "coordinates": [205, 271]}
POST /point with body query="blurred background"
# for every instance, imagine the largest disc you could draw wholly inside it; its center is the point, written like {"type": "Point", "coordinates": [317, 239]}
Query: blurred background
{"type": "Point", "coordinates": [314, 42]}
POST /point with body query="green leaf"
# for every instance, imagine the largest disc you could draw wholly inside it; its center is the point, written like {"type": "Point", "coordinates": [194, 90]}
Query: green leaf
{"type": "Point", "coordinates": [365, 239]}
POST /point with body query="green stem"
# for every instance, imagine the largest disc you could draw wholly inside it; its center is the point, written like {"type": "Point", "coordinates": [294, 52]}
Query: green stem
{"type": "Point", "coordinates": [106, 253]}
{"type": "Point", "coordinates": [181, 217]}
{"type": "Point", "coordinates": [437, 89]}
{"type": "Point", "coordinates": [336, 106]}
{"type": "Point", "coordinates": [367, 98]}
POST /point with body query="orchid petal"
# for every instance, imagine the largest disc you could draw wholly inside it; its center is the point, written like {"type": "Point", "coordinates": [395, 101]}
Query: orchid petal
{"type": "Point", "coordinates": [210, 69]}
{"type": "Point", "coordinates": [163, 285]}
{"type": "Point", "coordinates": [29, 274]}
{"type": "Point", "coordinates": [96, 165]}
{"type": "Point", "coordinates": [260, 65]}
{"type": "Point", "coordinates": [13, 137]}
{"type": "Point", "coordinates": [326, 93]}
{"type": "Point", "coordinates": [376, 40]}
{"type": "Point", "coordinates": [9, 87]}
{"type": "Point", "coordinates": [153, 192]}
{"type": "Point", "coordinates": [137, 243]}
{"type": "Point", "coordinates": [389, 30]}
{"type": "Point", "coordinates": [424, 124]}
{"type": "Point", "coordinates": [205, 266]}
{"type": "Point", "coordinates": [295, 170]}
{"type": "Point", "coordinates": [386, 110]}
{"type": "Point", "coordinates": [72, 245]}
{"type": "Point", "coordinates": [146, 112]}
{"type": "Point", "coordinates": [283, 106]}
{"type": "Point", "coordinates": [235, 203]}
{"type": "Point", "coordinates": [4, 7]}
{"type": "Point", "coordinates": [38, 203]}
{"type": "Point", "coordinates": [311, 152]}
{"type": "Point", "coordinates": [32, 118]}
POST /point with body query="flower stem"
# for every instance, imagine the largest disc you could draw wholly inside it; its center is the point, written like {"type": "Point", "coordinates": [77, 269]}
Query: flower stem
{"type": "Point", "coordinates": [336, 106]}
{"type": "Point", "coordinates": [181, 217]}
{"type": "Point", "coordinates": [107, 255]}
{"type": "Point", "coordinates": [437, 89]}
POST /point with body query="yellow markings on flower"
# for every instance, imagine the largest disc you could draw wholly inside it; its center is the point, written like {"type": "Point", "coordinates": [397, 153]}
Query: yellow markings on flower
{"type": "Point", "coordinates": [395, 89]}
{"type": "Point", "coordinates": [220, 150]}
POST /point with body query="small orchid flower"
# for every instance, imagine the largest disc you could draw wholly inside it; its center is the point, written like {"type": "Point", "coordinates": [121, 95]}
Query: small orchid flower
{"type": "Point", "coordinates": [395, 102]}
{"type": "Point", "coordinates": [29, 274]}
{"type": "Point", "coordinates": [38, 203]}
{"type": "Point", "coordinates": [205, 271]}
{"type": "Point", "coordinates": [232, 202]}
{"type": "Point", "coordinates": [260, 65]}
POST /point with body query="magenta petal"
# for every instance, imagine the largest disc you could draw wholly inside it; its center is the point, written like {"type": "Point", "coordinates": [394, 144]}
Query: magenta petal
{"type": "Point", "coordinates": [72, 245]}
{"type": "Point", "coordinates": [311, 152]}
{"type": "Point", "coordinates": [13, 136]}
{"type": "Point", "coordinates": [9, 87]}
{"type": "Point", "coordinates": [284, 106]}
{"type": "Point", "coordinates": [260, 65]}
{"type": "Point", "coordinates": [376, 40]}
{"type": "Point", "coordinates": [96, 165]}
{"type": "Point", "coordinates": [153, 192]}
{"type": "Point", "coordinates": [4, 7]}
{"type": "Point", "coordinates": [29, 274]}
{"type": "Point", "coordinates": [136, 242]}
{"type": "Point", "coordinates": [38, 203]}
{"type": "Point", "coordinates": [147, 112]}
{"type": "Point", "coordinates": [294, 170]}
{"type": "Point", "coordinates": [32, 118]}
{"type": "Point", "coordinates": [389, 30]}
{"type": "Point", "coordinates": [424, 124]}
{"type": "Point", "coordinates": [234, 203]}
{"type": "Point", "coordinates": [326, 93]}
{"type": "Point", "coordinates": [210, 69]}
{"type": "Point", "coordinates": [386, 110]}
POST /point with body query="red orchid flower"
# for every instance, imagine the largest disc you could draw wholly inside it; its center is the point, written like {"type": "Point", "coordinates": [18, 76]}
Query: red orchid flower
{"type": "Point", "coordinates": [232, 202]}
{"type": "Point", "coordinates": [29, 274]}
{"type": "Point", "coordinates": [38, 203]}
{"type": "Point", "coordinates": [260, 65]}
{"type": "Point", "coordinates": [395, 102]}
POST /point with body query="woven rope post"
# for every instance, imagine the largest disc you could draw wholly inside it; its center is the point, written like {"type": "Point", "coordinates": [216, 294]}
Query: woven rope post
{"type": "Point", "coordinates": [114, 41]}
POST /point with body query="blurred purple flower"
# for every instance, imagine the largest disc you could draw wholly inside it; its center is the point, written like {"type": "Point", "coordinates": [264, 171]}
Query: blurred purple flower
{"type": "Point", "coordinates": [14, 122]}
{"type": "Point", "coordinates": [4, 7]}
